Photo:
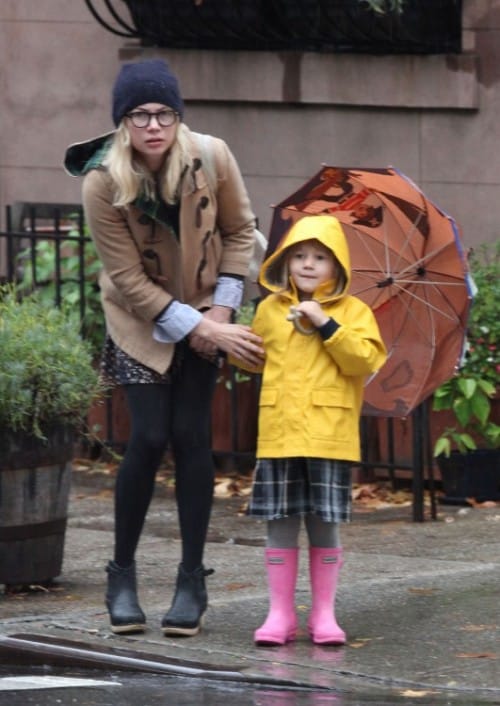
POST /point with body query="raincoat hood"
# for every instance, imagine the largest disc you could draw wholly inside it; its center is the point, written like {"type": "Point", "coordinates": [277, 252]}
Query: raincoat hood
{"type": "Point", "coordinates": [325, 229]}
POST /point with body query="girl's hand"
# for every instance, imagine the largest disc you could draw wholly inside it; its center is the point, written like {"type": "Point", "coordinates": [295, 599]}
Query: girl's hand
{"type": "Point", "coordinates": [310, 309]}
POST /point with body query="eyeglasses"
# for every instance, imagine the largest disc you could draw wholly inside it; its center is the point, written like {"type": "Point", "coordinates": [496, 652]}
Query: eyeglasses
{"type": "Point", "coordinates": [142, 118]}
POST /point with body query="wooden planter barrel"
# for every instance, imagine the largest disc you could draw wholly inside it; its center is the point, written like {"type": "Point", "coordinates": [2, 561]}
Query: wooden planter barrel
{"type": "Point", "coordinates": [35, 481]}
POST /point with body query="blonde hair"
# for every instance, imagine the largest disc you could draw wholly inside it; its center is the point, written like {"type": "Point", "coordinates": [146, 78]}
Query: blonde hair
{"type": "Point", "coordinates": [131, 177]}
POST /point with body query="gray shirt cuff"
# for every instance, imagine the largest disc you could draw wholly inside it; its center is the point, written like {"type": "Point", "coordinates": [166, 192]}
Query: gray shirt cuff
{"type": "Point", "coordinates": [228, 292]}
{"type": "Point", "coordinates": [175, 324]}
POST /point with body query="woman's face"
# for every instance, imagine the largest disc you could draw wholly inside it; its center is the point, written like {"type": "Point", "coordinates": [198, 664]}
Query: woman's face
{"type": "Point", "coordinates": [152, 128]}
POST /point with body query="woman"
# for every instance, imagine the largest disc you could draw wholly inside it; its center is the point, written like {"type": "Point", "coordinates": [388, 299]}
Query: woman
{"type": "Point", "coordinates": [174, 253]}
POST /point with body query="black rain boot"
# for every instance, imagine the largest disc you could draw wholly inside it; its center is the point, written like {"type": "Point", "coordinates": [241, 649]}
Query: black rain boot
{"type": "Point", "coordinates": [189, 604]}
{"type": "Point", "coordinates": [121, 600]}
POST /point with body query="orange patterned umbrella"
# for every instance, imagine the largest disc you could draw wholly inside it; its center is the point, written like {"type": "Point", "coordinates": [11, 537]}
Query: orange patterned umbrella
{"type": "Point", "coordinates": [408, 264]}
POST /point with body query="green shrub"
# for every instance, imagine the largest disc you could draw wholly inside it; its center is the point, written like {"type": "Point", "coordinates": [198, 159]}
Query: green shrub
{"type": "Point", "coordinates": [47, 376]}
{"type": "Point", "coordinates": [469, 392]}
{"type": "Point", "coordinates": [40, 263]}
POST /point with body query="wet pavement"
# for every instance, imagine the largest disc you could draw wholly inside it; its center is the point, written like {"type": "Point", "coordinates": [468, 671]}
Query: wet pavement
{"type": "Point", "coordinates": [419, 602]}
{"type": "Point", "coordinates": [115, 689]}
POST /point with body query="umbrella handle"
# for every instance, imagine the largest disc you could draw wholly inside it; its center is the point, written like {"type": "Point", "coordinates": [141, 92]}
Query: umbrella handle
{"type": "Point", "coordinates": [294, 316]}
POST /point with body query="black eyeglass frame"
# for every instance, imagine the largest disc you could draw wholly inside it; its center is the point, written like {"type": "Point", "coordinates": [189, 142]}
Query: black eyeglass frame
{"type": "Point", "coordinates": [172, 117]}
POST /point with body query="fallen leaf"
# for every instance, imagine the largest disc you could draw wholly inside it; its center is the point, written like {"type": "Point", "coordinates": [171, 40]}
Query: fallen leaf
{"type": "Point", "coordinates": [232, 486]}
{"type": "Point", "coordinates": [237, 586]}
{"type": "Point", "coordinates": [477, 628]}
{"type": "Point", "coordinates": [361, 642]}
{"type": "Point", "coordinates": [379, 496]}
{"type": "Point", "coordinates": [423, 591]}
{"type": "Point", "coordinates": [484, 504]}
{"type": "Point", "coordinates": [224, 489]}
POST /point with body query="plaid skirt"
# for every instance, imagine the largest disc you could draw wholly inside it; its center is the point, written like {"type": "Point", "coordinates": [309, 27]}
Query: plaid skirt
{"type": "Point", "coordinates": [298, 486]}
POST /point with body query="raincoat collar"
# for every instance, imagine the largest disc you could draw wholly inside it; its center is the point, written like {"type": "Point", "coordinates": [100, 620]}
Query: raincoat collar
{"type": "Point", "coordinates": [82, 157]}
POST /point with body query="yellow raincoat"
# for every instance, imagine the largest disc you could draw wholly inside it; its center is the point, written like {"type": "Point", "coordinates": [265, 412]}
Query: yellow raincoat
{"type": "Point", "coordinates": [312, 389]}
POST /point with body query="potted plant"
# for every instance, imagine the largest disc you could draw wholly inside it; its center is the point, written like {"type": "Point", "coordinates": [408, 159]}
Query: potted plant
{"type": "Point", "coordinates": [47, 384]}
{"type": "Point", "coordinates": [468, 449]}
{"type": "Point", "coordinates": [68, 268]}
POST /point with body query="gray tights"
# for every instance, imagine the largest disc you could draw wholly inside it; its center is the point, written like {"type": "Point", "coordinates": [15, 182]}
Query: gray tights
{"type": "Point", "coordinates": [284, 533]}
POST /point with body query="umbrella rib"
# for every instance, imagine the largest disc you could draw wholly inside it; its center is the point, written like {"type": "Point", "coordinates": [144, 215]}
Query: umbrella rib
{"type": "Point", "coordinates": [411, 232]}
{"type": "Point", "coordinates": [421, 261]}
{"type": "Point", "coordinates": [407, 236]}
{"type": "Point", "coordinates": [422, 300]}
{"type": "Point", "coordinates": [410, 312]}
{"type": "Point", "coordinates": [434, 283]}
{"type": "Point", "coordinates": [366, 243]}
{"type": "Point", "coordinates": [386, 268]}
{"type": "Point", "coordinates": [374, 276]}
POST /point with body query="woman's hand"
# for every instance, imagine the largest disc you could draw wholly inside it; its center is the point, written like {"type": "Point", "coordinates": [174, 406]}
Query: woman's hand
{"type": "Point", "coordinates": [206, 346]}
{"type": "Point", "coordinates": [214, 333]}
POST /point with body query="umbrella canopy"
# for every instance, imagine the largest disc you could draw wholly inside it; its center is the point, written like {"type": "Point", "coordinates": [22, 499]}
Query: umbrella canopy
{"type": "Point", "coordinates": [408, 264]}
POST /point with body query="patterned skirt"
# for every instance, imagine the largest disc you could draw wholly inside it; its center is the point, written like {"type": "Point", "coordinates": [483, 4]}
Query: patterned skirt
{"type": "Point", "coordinates": [298, 486]}
{"type": "Point", "coordinates": [118, 368]}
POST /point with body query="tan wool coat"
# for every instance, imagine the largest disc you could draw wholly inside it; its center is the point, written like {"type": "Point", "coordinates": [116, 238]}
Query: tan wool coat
{"type": "Point", "coordinates": [145, 265]}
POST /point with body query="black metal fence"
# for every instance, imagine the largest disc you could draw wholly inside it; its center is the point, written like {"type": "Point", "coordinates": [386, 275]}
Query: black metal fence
{"type": "Point", "coordinates": [45, 247]}
{"type": "Point", "coordinates": [423, 27]}
{"type": "Point", "coordinates": [30, 224]}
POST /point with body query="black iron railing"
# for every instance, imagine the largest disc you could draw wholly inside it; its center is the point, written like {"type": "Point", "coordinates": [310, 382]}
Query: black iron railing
{"type": "Point", "coordinates": [28, 225]}
{"type": "Point", "coordinates": [423, 27]}
{"type": "Point", "coordinates": [62, 226]}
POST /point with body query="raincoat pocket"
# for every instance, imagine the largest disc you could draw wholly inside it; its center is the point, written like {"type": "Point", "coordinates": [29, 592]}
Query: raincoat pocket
{"type": "Point", "coordinates": [269, 416]}
{"type": "Point", "coordinates": [331, 415]}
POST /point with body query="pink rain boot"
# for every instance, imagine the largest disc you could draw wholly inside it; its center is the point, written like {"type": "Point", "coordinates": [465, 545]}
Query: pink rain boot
{"type": "Point", "coordinates": [324, 567]}
{"type": "Point", "coordinates": [281, 623]}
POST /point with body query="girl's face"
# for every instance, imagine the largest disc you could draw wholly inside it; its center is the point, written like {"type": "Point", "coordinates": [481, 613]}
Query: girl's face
{"type": "Point", "coordinates": [310, 264]}
{"type": "Point", "coordinates": [152, 129]}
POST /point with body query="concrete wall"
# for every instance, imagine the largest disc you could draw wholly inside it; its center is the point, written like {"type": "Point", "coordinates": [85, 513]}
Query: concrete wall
{"type": "Point", "coordinates": [435, 117]}
{"type": "Point", "coordinates": [56, 65]}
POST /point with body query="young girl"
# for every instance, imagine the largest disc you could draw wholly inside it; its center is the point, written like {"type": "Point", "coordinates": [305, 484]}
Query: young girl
{"type": "Point", "coordinates": [320, 345]}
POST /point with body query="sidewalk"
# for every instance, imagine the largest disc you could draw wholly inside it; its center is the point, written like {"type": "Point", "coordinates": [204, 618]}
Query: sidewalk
{"type": "Point", "coordinates": [420, 602]}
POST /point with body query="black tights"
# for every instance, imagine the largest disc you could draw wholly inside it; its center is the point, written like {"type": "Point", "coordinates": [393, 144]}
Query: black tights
{"type": "Point", "coordinates": [177, 413]}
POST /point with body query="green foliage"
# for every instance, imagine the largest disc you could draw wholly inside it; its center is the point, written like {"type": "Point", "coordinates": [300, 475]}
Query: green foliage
{"type": "Point", "coordinates": [46, 371]}
{"type": "Point", "coordinates": [244, 316]}
{"type": "Point", "coordinates": [42, 265]}
{"type": "Point", "coordinates": [468, 394]}
{"type": "Point", "coordinates": [483, 354]}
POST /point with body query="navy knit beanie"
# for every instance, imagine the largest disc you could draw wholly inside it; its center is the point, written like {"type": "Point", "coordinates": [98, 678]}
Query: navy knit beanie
{"type": "Point", "coordinates": [148, 81]}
